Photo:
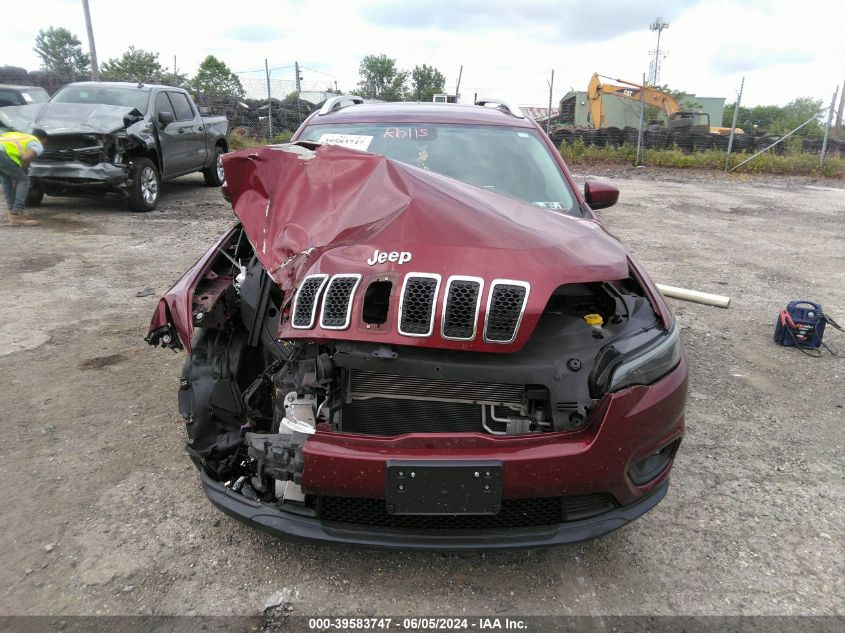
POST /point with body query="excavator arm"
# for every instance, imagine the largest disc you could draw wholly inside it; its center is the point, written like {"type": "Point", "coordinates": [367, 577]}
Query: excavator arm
{"type": "Point", "coordinates": [629, 90]}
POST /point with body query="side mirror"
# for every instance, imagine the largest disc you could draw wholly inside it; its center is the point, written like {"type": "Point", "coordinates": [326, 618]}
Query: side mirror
{"type": "Point", "coordinates": [166, 118]}
{"type": "Point", "coordinates": [600, 194]}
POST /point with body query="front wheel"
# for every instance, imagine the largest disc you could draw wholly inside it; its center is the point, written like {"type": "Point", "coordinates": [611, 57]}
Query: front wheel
{"type": "Point", "coordinates": [34, 197]}
{"type": "Point", "coordinates": [145, 187]}
{"type": "Point", "coordinates": [214, 175]}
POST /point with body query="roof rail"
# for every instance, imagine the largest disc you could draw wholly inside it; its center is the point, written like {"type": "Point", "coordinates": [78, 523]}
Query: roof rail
{"type": "Point", "coordinates": [335, 103]}
{"type": "Point", "coordinates": [511, 109]}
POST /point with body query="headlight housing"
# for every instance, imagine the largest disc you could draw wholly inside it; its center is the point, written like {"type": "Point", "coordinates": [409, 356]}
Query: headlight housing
{"type": "Point", "coordinates": [650, 364]}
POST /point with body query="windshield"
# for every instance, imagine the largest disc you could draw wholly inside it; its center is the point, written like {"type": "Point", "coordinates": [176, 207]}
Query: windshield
{"type": "Point", "coordinates": [511, 161]}
{"type": "Point", "coordinates": [106, 95]}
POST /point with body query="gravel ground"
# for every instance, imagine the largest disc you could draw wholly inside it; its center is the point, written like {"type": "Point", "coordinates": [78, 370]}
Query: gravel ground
{"type": "Point", "coordinates": [103, 512]}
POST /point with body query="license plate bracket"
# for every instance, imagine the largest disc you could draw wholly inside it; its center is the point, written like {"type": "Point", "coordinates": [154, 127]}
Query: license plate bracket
{"type": "Point", "coordinates": [443, 487]}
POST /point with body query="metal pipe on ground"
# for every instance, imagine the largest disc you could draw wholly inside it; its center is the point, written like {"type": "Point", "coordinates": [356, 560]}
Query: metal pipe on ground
{"type": "Point", "coordinates": [720, 301]}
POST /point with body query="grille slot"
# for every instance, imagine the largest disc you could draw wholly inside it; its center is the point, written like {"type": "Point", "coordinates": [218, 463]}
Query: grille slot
{"type": "Point", "coordinates": [505, 307]}
{"type": "Point", "coordinates": [416, 307]}
{"type": "Point", "coordinates": [337, 302]}
{"type": "Point", "coordinates": [460, 308]}
{"type": "Point", "coordinates": [587, 505]}
{"type": "Point", "coordinates": [305, 302]}
{"type": "Point", "coordinates": [515, 513]}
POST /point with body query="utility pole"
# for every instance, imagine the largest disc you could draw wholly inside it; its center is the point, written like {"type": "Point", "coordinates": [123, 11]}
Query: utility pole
{"type": "Point", "coordinates": [551, 88]}
{"type": "Point", "coordinates": [175, 73]}
{"type": "Point", "coordinates": [838, 127]}
{"type": "Point", "coordinates": [654, 70]}
{"type": "Point", "coordinates": [95, 70]}
{"type": "Point", "coordinates": [458, 86]}
{"type": "Point", "coordinates": [298, 77]}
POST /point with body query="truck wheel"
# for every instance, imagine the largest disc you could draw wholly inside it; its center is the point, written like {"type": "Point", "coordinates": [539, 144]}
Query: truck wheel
{"type": "Point", "coordinates": [214, 175]}
{"type": "Point", "coordinates": [34, 197]}
{"type": "Point", "coordinates": [145, 187]}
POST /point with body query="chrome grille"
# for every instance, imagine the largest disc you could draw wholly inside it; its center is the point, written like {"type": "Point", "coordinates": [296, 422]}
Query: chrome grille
{"type": "Point", "coordinates": [305, 302]}
{"type": "Point", "coordinates": [505, 306]}
{"type": "Point", "coordinates": [460, 308]}
{"type": "Point", "coordinates": [416, 307]}
{"type": "Point", "coordinates": [337, 303]}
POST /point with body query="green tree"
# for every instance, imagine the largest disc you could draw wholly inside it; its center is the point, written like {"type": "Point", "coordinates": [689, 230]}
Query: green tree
{"type": "Point", "coordinates": [795, 113]}
{"type": "Point", "coordinates": [134, 65]}
{"type": "Point", "coordinates": [426, 81]}
{"type": "Point", "coordinates": [381, 79]}
{"type": "Point", "coordinates": [61, 52]}
{"type": "Point", "coordinates": [216, 78]}
{"type": "Point", "coordinates": [778, 119]}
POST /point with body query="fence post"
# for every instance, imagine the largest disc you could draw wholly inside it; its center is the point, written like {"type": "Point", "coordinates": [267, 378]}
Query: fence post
{"type": "Point", "coordinates": [642, 121]}
{"type": "Point", "coordinates": [827, 128]}
{"type": "Point", "coordinates": [269, 100]}
{"type": "Point", "coordinates": [733, 124]}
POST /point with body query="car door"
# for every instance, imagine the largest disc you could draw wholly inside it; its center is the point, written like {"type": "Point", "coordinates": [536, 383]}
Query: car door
{"type": "Point", "coordinates": [190, 133]}
{"type": "Point", "coordinates": [168, 135]}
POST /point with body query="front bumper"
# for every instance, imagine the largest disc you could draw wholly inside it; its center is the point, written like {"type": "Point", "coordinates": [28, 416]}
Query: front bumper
{"type": "Point", "coordinates": [68, 175]}
{"type": "Point", "coordinates": [287, 524]}
{"type": "Point", "coordinates": [627, 427]}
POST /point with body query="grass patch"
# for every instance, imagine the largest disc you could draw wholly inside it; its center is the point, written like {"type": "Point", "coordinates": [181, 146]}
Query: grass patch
{"type": "Point", "coordinates": [241, 142]}
{"type": "Point", "coordinates": [792, 163]}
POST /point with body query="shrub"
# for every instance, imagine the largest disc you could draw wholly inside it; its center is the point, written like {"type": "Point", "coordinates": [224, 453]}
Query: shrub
{"type": "Point", "coordinates": [792, 163]}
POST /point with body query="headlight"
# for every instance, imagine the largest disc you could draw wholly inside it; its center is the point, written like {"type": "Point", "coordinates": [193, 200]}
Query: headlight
{"type": "Point", "coordinates": [651, 364]}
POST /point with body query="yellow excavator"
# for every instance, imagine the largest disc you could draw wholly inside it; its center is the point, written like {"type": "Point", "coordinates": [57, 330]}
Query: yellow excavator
{"type": "Point", "coordinates": [679, 119]}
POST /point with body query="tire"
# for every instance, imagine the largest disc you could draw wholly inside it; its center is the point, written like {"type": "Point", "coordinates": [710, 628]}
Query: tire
{"type": "Point", "coordinates": [214, 176]}
{"type": "Point", "coordinates": [34, 197]}
{"type": "Point", "coordinates": [145, 189]}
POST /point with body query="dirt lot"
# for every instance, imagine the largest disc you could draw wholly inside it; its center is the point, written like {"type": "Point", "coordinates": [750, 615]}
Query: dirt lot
{"type": "Point", "coordinates": [103, 512]}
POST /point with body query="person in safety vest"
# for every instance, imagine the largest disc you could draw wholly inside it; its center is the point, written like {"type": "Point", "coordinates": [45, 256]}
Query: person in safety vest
{"type": "Point", "coordinates": [17, 150]}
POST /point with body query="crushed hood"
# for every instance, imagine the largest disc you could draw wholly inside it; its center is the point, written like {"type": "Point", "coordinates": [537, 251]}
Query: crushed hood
{"type": "Point", "coordinates": [69, 118]}
{"type": "Point", "coordinates": [329, 210]}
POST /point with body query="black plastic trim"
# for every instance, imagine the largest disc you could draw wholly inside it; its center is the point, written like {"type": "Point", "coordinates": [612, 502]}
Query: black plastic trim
{"type": "Point", "coordinates": [285, 524]}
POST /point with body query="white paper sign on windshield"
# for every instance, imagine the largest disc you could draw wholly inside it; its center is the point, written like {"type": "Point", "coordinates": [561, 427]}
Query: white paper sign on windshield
{"type": "Point", "coordinates": [355, 141]}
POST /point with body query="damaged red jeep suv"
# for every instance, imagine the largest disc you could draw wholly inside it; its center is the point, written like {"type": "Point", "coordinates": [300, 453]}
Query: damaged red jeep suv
{"type": "Point", "coordinates": [418, 335]}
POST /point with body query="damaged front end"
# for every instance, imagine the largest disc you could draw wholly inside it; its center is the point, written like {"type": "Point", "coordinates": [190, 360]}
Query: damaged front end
{"type": "Point", "coordinates": [90, 148]}
{"type": "Point", "coordinates": [507, 364]}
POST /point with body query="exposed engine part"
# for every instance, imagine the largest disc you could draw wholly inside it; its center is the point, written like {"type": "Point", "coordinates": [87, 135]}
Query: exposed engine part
{"type": "Point", "coordinates": [300, 412]}
{"type": "Point", "coordinates": [278, 455]}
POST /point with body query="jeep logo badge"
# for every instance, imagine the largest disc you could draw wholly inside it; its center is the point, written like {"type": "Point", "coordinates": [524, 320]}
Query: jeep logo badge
{"type": "Point", "coordinates": [380, 257]}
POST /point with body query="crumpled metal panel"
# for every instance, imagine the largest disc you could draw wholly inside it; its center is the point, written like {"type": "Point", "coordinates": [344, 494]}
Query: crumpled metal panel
{"type": "Point", "coordinates": [330, 210]}
{"type": "Point", "coordinates": [68, 118]}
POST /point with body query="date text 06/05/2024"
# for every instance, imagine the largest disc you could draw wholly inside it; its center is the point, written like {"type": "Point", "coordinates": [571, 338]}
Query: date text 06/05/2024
{"type": "Point", "coordinates": [417, 624]}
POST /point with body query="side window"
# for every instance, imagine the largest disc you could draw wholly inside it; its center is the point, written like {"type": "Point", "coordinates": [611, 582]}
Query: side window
{"type": "Point", "coordinates": [9, 98]}
{"type": "Point", "coordinates": [163, 104]}
{"type": "Point", "coordinates": [181, 106]}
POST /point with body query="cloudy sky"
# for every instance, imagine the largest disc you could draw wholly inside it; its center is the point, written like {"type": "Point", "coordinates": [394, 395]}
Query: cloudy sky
{"type": "Point", "coordinates": [785, 49]}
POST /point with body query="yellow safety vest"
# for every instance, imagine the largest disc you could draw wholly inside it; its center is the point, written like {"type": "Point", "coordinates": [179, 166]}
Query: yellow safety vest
{"type": "Point", "coordinates": [14, 144]}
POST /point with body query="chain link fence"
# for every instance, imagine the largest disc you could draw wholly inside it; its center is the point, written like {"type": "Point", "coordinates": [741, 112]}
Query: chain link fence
{"type": "Point", "coordinates": [640, 134]}
{"type": "Point", "coordinates": [267, 110]}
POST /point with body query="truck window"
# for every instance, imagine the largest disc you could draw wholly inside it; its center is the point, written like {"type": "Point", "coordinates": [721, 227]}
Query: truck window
{"type": "Point", "coordinates": [9, 98]}
{"type": "Point", "coordinates": [163, 104]}
{"type": "Point", "coordinates": [181, 106]}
